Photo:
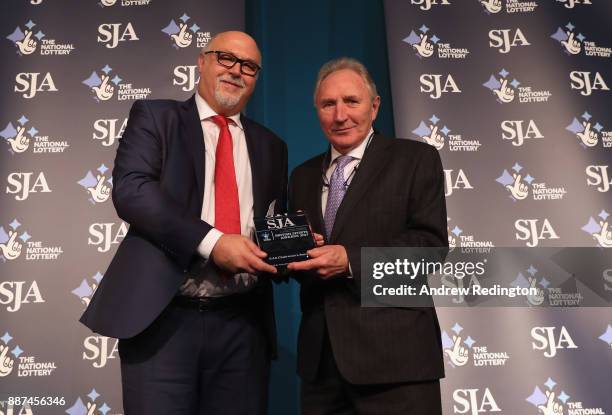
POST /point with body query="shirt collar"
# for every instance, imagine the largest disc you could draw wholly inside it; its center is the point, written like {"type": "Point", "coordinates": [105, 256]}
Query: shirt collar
{"type": "Point", "coordinates": [356, 153]}
{"type": "Point", "coordinates": [205, 111]}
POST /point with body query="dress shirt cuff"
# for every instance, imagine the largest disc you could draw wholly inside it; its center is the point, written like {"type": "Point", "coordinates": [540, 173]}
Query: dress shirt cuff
{"type": "Point", "coordinates": [350, 273]}
{"type": "Point", "coordinates": [208, 243]}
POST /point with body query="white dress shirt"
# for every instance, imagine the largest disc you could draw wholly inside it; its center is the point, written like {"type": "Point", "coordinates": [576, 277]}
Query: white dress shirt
{"type": "Point", "coordinates": [203, 280]}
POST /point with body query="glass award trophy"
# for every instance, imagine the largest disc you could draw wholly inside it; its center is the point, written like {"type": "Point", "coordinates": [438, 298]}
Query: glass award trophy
{"type": "Point", "coordinates": [285, 238]}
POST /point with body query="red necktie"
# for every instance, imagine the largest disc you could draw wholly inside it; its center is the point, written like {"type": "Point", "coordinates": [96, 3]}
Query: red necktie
{"type": "Point", "coordinates": [227, 207]}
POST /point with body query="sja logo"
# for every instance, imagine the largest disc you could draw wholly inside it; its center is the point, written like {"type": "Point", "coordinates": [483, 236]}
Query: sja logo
{"type": "Point", "coordinates": [454, 181]}
{"type": "Point", "coordinates": [279, 223]}
{"type": "Point", "coordinates": [14, 294]}
{"type": "Point", "coordinates": [589, 131]}
{"type": "Point", "coordinates": [570, 4]}
{"type": "Point", "coordinates": [107, 131]}
{"type": "Point", "coordinates": [31, 83]}
{"type": "Point", "coordinates": [186, 76]}
{"type": "Point", "coordinates": [87, 288]}
{"type": "Point", "coordinates": [600, 230]}
{"type": "Point", "coordinates": [99, 350]}
{"type": "Point", "coordinates": [427, 4]}
{"type": "Point", "coordinates": [436, 85]}
{"type": "Point", "coordinates": [112, 33]}
{"type": "Point", "coordinates": [597, 176]}
{"type": "Point", "coordinates": [587, 82]}
{"type": "Point", "coordinates": [532, 231]}
{"type": "Point", "coordinates": [98, 186]}
{"type": "Point", "coordinates": [549, 340]}
{"type": "Point", "coordinates": [21, 184]}
{"type": "Point", "coordinates": [182, 34]}
{"type": "Point", "coordinates": [12, 409]}
{"type": "Point", "coordinates": [474, 402]}
{"type": "Point", "coordinates": [105, 235]}
{"type": "Point", "coordinates": [505, 39]}
{"type": "Point", "coordinates": [517, 131]}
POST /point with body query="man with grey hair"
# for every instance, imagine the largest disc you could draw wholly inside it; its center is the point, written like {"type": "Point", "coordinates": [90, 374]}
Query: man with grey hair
{"type": "Point", "coordinates": [185, 292]}
{"type": "Point", "coordinates": [366, 190]}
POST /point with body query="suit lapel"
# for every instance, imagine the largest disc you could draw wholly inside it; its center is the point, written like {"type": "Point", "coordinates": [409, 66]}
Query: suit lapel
{"type": "Point", "coordinates": [315, 214]}
{"type": "Point", "coordinates": [193, 135]}
{"type": "Point", "coordinates": [258, 167]}
{"type": "Point", "coordinates": [371, 165]}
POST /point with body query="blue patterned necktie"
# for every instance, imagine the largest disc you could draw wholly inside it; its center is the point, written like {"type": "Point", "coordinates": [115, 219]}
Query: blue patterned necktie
{"type": "Point", "coordinates": [336, 192]}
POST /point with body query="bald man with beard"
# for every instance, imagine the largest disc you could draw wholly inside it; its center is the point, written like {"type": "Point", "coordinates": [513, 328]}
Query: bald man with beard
{"type": "Point", "coordinates": [188, 292]}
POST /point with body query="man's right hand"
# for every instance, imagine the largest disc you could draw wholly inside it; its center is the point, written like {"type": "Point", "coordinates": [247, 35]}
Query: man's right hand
{"type": "Point", "coordinates": [236, 253]}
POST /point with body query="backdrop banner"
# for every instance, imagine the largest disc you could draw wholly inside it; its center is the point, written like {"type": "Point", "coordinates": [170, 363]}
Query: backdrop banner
{"type": "Point", "coordinates": [516, 97]}
{"type": "Point", "coordinates": [71, 70]}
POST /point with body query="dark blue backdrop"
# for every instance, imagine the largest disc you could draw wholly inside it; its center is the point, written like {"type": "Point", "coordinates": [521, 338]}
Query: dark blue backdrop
{"type": "Point", "coordinates": [296, 39]}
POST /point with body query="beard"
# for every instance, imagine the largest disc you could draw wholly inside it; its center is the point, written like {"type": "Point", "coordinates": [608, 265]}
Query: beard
{"type": "Point", "coordinates": [225, 99]}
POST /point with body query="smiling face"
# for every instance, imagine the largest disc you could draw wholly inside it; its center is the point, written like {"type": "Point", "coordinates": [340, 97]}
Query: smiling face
{"type": "Point", "coordinates": [227, 90]}
{"type": "Point", "coordinates": [346, 109]}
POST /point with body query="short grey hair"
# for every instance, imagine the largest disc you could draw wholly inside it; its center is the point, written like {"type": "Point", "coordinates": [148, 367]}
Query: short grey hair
{"type": "Point", "coordinates": [345, 63]}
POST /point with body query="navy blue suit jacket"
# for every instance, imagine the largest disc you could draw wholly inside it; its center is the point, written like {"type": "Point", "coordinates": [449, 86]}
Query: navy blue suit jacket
{"type": "Point", "coordinates": [158, 188]}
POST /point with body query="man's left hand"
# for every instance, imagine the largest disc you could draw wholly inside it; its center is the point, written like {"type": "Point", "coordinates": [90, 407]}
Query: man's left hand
{"type": "Point", "coordinates": [327, 261]}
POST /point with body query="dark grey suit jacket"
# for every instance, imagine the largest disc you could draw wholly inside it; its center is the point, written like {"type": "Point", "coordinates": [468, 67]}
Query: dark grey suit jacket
{"type": "Point", "coordinates": [396, 198]}
{"type": "Point", "coordinates": [158, 188]}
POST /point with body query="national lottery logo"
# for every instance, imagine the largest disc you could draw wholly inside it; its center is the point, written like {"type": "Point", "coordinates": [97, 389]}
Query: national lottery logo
{"type": "Point", "coordinates": [27, 42]}
{"type": "Point", "coordinates": [11, 242]}
{"type": "Point", "coordinates": [553, 400]}
{"type": "Point", "coordinates": [599, 229]}
{"type": "Point", "coordinates": [589, 131]}
{"type": "Point", "coordinates": [87, 288]}
{"type": "Point", "coordinates": [425, 45]}
{"type": "Point", "coordinates": [458, 348]}
{"type": "Point", "coordinates": [512, 6]}
{"type": "Point", "coordinates": [458, 238]}
{"type": "Point", "coordinates": [13, 239]}
{"type": "Point", "coordinates": [533, 280]}
{"type": "Point", "coordinates": [109, 3]}
{"type": "Point", "coordinates": [182, 33]}
{"type": "Point", "coordinates": [97, 185]}
{"type": "Point", "coordinates": [519, 185]}
{"type": "Point", "coordinates": [574, 43]}
{"type": "Point", "coordinates": [506, 91]}
{"type": "Point", "coordinates": [430, 132]}
{"type": "Point", "coordinates": [92, 404]}
{"type": "Point", "coordinates": [21, 134]}
{"type": "Point", "coordinates": [14, 360]}
{"type": "Point", "coordinates": [606, 337]}
{"type": "Point", "coordinates": [103, 86]}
